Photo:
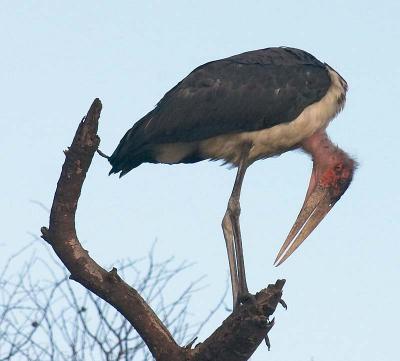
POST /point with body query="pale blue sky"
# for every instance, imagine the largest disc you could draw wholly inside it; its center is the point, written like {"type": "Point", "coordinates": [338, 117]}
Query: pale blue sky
{"type": "Point", "coordinates": [342, 284]}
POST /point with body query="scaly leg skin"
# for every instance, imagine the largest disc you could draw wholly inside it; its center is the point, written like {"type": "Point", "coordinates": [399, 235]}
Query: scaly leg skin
{"type": "Point", "coordinates": [230, 248]}
{"type": "Point", "coordinates": [234, 214]}
{"type": "Point", "coordinates": [231, 228]}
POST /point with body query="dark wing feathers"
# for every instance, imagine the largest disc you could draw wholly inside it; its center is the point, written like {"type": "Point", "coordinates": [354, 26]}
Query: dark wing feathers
{"type": "Point", "coordinates": [246, 92]}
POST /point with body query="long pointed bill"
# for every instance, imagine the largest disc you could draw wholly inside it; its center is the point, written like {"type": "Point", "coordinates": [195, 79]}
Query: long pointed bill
{"type": "Point", "coordinates": [307, 220]}
{"type": "Point", "coordinates": [315, 208]}
{"type": "Point", "coordinates": [322, 194]}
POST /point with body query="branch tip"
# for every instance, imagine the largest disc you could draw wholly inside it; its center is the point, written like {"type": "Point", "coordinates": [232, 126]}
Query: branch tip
{"type": "Point", "coordinates": [45, 234]}
{"type": "Point", "coordinates": [190, 344]}
{"type": "Point", "coordinates": [270, 324]}
{"type": "Point", "coordinates": [113, 275]}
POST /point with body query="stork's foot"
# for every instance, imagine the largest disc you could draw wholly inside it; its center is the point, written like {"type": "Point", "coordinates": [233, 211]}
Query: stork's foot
{"type": "Point", "coordinates": [246, 297]}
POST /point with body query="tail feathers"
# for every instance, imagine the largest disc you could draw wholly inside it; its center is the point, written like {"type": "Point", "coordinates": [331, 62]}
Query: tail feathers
{"type": "Point", "coordinates": [132, 150]}
{"type": "Point", "coordinates": [124, 166]}
{"type": "Point", "coordinates": [125, 159]}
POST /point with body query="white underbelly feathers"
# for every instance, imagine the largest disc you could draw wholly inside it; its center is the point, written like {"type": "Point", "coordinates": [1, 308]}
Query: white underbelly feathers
{"type": "Point", "coordinates": [267, 142]}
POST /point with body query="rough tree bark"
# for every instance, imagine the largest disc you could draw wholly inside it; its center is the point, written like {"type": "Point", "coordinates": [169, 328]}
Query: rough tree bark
{"type": "Point", "coordinates": [235, 340]}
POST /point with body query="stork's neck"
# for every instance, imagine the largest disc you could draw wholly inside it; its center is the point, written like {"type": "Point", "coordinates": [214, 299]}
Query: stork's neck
{"type": "Point", "coordinates": [322, 150]}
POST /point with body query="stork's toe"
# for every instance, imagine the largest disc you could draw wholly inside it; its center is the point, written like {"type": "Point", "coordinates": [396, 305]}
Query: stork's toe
{"type": "Point", "coordinates": [245, 298]}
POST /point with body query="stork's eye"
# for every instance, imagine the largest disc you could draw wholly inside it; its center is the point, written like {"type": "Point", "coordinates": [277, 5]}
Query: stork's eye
{"type": "Point", "coordinates": [338, 168]}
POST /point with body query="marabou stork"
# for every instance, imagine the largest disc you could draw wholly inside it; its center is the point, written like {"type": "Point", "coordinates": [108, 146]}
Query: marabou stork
{"type": "Point", "coordinates": [241, 109]}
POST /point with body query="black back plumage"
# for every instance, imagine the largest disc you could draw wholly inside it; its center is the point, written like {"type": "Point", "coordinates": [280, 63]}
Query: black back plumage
{"type": "Point", "coordinates": [246, 92]}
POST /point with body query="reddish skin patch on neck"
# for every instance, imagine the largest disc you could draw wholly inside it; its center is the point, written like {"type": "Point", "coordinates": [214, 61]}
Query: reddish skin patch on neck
{"type": "Point", "coordinates": [333, 169]}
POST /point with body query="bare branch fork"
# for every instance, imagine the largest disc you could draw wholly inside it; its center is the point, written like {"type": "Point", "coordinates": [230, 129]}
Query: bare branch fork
{"type": "Point", "coordinates": [235, 340]}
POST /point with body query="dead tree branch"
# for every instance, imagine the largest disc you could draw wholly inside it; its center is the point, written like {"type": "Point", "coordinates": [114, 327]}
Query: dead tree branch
{"type": "Point", "coordinates": [235, 340]}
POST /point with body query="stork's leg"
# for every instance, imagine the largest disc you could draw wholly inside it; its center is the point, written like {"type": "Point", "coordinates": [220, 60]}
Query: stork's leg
{"type": "Point", "coordinates": [230, 248]}
{"type": "Point", "coordinates": [233, 239]}
{"type": "Point", "coordinates": [234, 214]}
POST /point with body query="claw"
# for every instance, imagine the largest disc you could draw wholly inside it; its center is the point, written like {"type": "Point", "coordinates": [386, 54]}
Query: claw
{"type": "Point", "coordinates": [267, 342]}
{"type": "Point", "coordinates": [283, 303]}
{"type": "Point", "coordinates": [266, 338]}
